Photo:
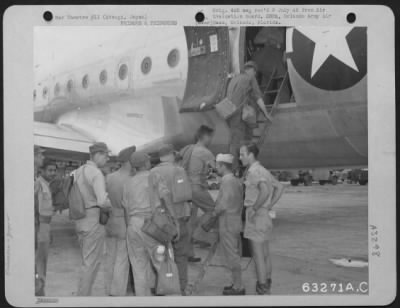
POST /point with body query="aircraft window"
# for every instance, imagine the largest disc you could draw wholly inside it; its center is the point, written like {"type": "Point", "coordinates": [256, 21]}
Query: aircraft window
{"type": "Point", "coordinates": [85, 81]}
{"type": "Point", "coordinates": [146, 65]}
{"type": "Point", "coordinates": [56, 89]}
{"type": "Point", "coordinates": [70, 85]}
{"type": "Point", "coordinates": [123, 71]}
{"type": "Point", "coordinates": [34, 94]}
{"type": "Point", "coordinates": [173, 58]}
{"type": "Point", "coordinates": [45, 92]}
{"type": "Point", "coordinates": [103, 77]}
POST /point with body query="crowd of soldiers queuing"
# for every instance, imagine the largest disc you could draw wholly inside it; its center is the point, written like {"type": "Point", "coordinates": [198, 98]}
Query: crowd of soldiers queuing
{"type": "Point", "coordinates": [125, 195]}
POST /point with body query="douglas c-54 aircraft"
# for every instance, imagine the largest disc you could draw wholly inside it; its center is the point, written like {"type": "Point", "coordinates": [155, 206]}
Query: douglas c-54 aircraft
{"type": "Point", "coordinates": [162, 88]}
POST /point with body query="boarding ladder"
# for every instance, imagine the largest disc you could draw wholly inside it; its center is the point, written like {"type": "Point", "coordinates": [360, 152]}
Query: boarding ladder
{"type": "Point", "coordinates": [272, 91]}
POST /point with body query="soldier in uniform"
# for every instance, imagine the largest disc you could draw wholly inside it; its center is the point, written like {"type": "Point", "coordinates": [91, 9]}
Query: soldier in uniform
{"type": "Point", "coordinates": [199, 160]}
{"type": "Point", "coordinates": [243, 89]}
{"type": "Point", "coordinates": [38, 162]}
{"type": "Point", "coordinates": [262, 192]}
{"type": "Point", "coordinates": [45, 212]}
{"type": "Point", "coordinates": [166, 169]}
{"type": "Point", "coordinates": [136, 201]}
{"type": "Point", "coordinates": [228, 207]}
{"type": "Point", "coordinates": [117, 263]}
{"type": "Point", "coordinates": [91, 234]}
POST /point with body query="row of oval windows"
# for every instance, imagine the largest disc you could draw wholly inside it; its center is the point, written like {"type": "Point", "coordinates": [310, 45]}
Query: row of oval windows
{"type": "Point", "coordinates": [172, 59]}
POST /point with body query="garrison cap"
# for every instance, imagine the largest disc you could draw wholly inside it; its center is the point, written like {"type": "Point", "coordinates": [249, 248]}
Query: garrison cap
{"type": "Point", "coordinates": [251, 64]}
{"type": "Point", "coordinates": [138, 159]}
{"type": "Point", "coordinates": [37, 149]}
{"type": "Point", "coordinates": [166, 149]}
{"type": "Point", "coordinates": [225, 158]}
{"type": "Point", "coordinates": [98, 147]}
{"type": "Point", "coordinates": [125, 154]}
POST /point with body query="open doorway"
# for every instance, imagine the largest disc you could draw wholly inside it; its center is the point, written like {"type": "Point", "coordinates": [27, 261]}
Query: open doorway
{"type": "Point", "coordinates": [266, 46]}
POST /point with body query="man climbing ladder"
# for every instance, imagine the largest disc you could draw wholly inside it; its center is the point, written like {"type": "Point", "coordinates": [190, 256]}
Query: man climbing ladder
{"type": "Point", "coordinates": [243, 90]}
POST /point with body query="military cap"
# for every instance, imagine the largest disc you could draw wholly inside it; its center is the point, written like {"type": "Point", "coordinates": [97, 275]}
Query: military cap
{"type": "Point", "coordinates": [139, 159]}
{"type": "Point", "coordinates": [98, 147]}
{"type": "Point", "coordinates": [125, 154]}
{"type": "Point", "coordinates": [225, 158]}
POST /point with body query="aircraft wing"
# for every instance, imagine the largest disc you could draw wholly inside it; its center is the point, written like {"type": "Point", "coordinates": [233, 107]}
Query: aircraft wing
{"type": "Point", "coordinates": [61, 141]}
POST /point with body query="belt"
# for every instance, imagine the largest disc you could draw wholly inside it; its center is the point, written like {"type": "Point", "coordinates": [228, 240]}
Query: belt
{"type": "Point", "coordinates": [93, 207]}
{"type": "Point", "coordinates": [140, 215]}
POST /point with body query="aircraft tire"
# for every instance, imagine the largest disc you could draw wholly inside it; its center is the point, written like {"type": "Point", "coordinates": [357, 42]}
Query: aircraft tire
{"type": "Point", "coordinates": [294, 182]}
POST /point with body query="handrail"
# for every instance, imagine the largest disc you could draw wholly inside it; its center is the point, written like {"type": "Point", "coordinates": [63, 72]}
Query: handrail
{"type": "Point", "coordinates": [274, 105]}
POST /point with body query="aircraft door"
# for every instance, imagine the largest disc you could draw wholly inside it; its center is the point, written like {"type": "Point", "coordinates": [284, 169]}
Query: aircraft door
{"type": "Point", "coordinates": [208, 67]}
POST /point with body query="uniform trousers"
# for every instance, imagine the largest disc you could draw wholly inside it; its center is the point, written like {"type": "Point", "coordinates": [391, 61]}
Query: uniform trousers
{"type": "Point", "coordinates": [117, 266]}
{"type": "Point", "coordinates": [91, 236]}
{"type": "Point", "coordinates": [229, 237]}
{"type": "Point", "coordinates": [181, 250]}
{"type": "Point", "coordinates": [141, 251]}
{"type": "Point", "coordinates": [201, 198]}
{"type": "Point", "coordinates": [41, 255]}
{"type": "Point", "coordinates": [117, 262]}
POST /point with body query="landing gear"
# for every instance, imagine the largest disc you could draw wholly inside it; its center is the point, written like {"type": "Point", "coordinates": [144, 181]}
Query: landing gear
{"type": "Point", "coordinates": [304, 177]}
{"type": "Point", "coordinates": [294, 182]}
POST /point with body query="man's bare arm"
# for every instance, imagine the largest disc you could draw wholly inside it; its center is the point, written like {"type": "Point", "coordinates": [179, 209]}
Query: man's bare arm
{"type": "Point", "coordinates": [262, 196]}
{"type": "Point", "coordinates": [260, 103]}
{"type": "Point", "coordinates": [276, 193]}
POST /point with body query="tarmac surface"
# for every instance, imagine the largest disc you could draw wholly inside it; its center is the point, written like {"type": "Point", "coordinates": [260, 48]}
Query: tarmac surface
{"type": "Point", "coordinates": [313, 225]}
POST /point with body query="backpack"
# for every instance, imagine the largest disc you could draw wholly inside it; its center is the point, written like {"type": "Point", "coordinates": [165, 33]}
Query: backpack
{"type": "Point", "coordinates": [77, 209]}
{"type": "Point", "coordinates": [57, 188]}
{"type": "Point", "coordinates": [181, 187]}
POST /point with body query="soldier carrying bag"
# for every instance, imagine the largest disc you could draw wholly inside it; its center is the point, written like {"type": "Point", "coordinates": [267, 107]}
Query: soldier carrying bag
{"type": "Point", "coordinates": [226, 108]}
{"type": "Point", "coordinates": [160, 226]}
{"type": "Point", "coordinates": [77, 209]}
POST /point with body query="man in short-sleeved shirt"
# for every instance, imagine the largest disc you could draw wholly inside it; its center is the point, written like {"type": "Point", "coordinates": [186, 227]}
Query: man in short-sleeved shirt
{"type": "Point", "coordinates": [262, 192]}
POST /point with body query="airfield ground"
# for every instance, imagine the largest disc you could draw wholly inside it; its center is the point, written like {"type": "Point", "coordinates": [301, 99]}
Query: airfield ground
{"type": "Point", "coordinates": [313, 225]}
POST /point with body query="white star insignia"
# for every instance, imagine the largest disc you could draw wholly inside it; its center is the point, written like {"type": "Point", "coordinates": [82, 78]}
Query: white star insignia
{"type": "Point", "coordinates": [329, 41]}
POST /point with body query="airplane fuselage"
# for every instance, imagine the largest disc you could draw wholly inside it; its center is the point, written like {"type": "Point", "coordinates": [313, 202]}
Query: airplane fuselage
{"type": "Point", "coordinates": [320, 129]}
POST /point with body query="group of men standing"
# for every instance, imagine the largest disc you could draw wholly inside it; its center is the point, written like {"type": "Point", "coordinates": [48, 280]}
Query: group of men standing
{"type": "Point", "coordinates": [130, 194]}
